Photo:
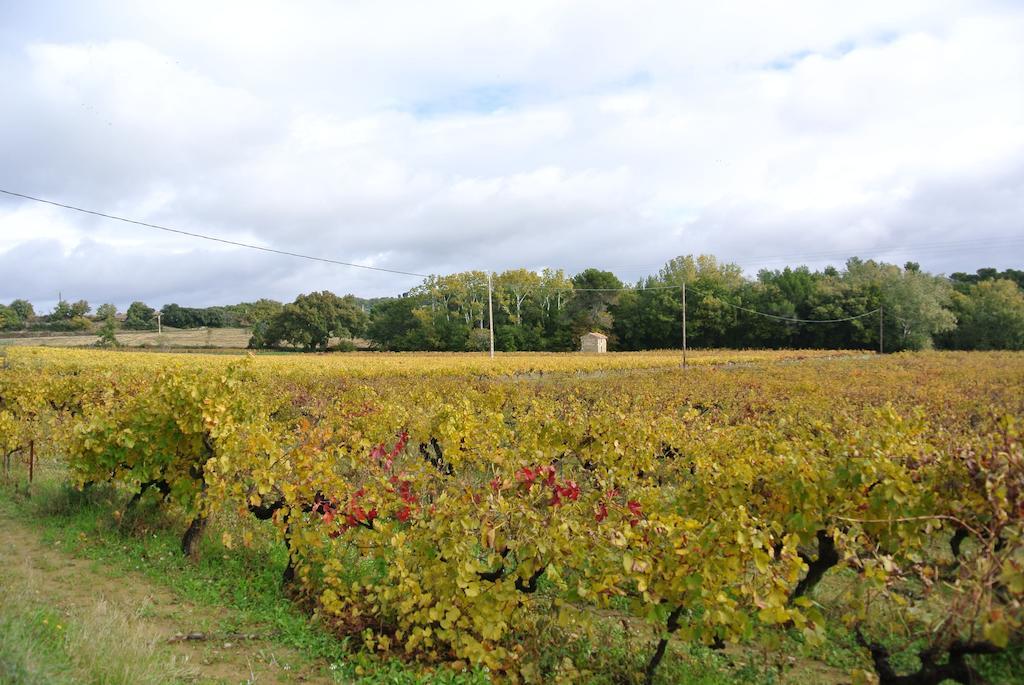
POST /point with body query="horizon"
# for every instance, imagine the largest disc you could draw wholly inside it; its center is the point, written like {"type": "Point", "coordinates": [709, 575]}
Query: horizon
{"type": "Point", "coordinates": [44, 306]}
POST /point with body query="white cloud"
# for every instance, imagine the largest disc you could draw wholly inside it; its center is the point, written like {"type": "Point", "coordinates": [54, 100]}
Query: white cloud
{"type": "Point", "coordinates": [445, 136]}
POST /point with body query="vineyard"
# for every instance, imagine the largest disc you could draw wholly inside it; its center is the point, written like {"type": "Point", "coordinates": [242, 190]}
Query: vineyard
{"type": "Point", "coordinates": [451, 509]}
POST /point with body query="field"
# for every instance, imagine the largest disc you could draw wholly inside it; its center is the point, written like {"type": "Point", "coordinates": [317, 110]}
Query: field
{"type": "Point", "coordinates": [229, 338]}
{"type": "Point", "coordinates": [757, 517]}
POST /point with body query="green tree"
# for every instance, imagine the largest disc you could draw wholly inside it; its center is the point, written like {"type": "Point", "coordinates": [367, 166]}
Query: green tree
{"type": "Point", "coordinates": [651, 316]}
{"type": "Point", "coordinates": [9, 319]}
{"type": "Point", "coordinates": [405, 324]}
{"type": "Point", "coordinates": [105, 311]}
{"type": "Point", "coordinates": [648, 318]}
{"type": "Point", "coordinates": [67, 316]}
{"type": "Point", "coordinates": [713, 290]}
{"type": "Point", "coordinates": [990, 316]}
{"type": "Point", "coordinates": [594, 293]}
{"type": "Point", "coordinates": [24, 309]}
{"type": "Point", "coordinates": [515, 287]}
{"type": "Point", "coordinates": [176, 316]}
{"type": "Point", "coordinates": [140, 317]}
{"type": "Point", "coordinates": [915, 303]}
{"type": "Point", "coordinates": [252, 313]}
{"type": "Point", "coordinates": [108, 329]}
{"type": "Point", "coordinates": [80, 308]}
{"type": "Point", "coordinates": [312, 320]}
{"type": "Point", "coordinates": [961, 281]}
{"type": "Point", "coordinates": [919, 303]}
{"type": "Point", "coordinates": [62, 311]}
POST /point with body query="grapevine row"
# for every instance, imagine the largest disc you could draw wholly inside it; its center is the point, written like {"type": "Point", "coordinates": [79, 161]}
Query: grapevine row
{"type": "Point", "coordinates": [477, 518]}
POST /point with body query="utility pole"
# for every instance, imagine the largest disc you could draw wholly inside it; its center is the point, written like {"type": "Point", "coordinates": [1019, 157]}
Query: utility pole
{"type": "Point", "coordinates": [490, 312]}
{"type": "Point", "coordinates": [684, 324]}
{"type": "Point", "coordinates": [881, 348]}
{"type": "Point", "coordinates": [159, 325]}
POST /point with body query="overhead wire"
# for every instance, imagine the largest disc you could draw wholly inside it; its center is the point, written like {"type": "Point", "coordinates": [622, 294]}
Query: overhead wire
{"type": "Point", "coordinates": [777, 317]}
{"type": "Point", "coordinates": [215, 239]}
{"type": "Point", "coordinates": [796, 320]}
{"type": "Point", "coordinates": [327, 260]}
{"type": "Point", "coordinates": [789, 319]}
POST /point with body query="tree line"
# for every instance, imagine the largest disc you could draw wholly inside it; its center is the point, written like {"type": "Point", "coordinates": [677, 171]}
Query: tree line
{"type": "Point", "coordinates": [548, 311]}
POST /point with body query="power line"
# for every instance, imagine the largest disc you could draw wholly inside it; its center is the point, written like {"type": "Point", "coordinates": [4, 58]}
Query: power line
{"type": "Point", "coordinates": [617, 290]}
{"type": "Point", "coordinates": [785, 318]}
{"type": "Point", "coordinates": [273, 250]}
{"type": "Point", "coordinates": [725, 302]}
{"type": "Point", "coordinates": [794, 320]}
{"type": "Point", "coordinates": [212, 238]}
{"type": "Point", "coordinates": [235, 243]}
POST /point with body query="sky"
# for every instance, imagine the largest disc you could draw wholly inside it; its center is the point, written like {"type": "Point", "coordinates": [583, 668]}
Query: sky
{"type": "Point", "coordinates": [453, 135]}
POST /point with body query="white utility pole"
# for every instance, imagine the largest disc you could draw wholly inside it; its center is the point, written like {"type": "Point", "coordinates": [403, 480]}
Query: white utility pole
{"type": "Point", "coordinates": [159, 324]}
{"type": "Point", "coordinates": [684, 324]}
{"type": "Point", "coordinates": [881, 348]}
{"type": "Point", "coordinates": [490, 312]}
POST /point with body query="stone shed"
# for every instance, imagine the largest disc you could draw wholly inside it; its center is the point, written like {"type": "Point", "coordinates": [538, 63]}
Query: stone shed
{"type": "Point", "coordinates": [594, 342]}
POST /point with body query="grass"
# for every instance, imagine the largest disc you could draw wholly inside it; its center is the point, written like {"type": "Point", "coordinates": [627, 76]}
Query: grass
{"type": "Point", "coordinates": [98, 644]}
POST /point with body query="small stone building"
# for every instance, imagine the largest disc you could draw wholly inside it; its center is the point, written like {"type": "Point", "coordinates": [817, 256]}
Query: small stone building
{"type": "Point", "coordinates": [594, 342]}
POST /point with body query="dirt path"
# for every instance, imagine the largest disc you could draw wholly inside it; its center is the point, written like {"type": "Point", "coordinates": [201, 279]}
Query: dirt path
{"type": "Point", "coordinates": [67, 584]}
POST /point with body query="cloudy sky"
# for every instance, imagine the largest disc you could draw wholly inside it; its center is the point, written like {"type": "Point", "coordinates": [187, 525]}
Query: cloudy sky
{"type": "Point", "coordinates": [440, 136]}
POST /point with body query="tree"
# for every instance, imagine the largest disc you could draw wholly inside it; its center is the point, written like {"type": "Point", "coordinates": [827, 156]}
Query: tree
{"type": "Point", "coordinates": [177, 316]}
{"type": "Point", "coordinates": [252, 313]}
{"type": "Point", "coordinates": [555, 293]}
{"type": "Point", "coordinates": [398, 324]}
{"type": "Point", "coordinates": [516, 286]}
{"type": "Point", "coordinates": [713, 290]}
{"type": "Point", "coordinates": [961, 281]}
{"type": "Point", "coordinates": [107, 333]}
{"type": "Point", "coordinates": [990, 315]}
{"type": "Point", "coordinates": [594, 292]}
{"type": "Point", "coordinates": [836, 296]}
{"type": "Point", "coordinates": [140, 317]}
{"type": "Point", "coordinates": [62, 311]}
{"type": "Point", "coordinates": [648, 318]}
{"type": "Point", "coordinates": [105, 311]}
{"type": "Point", "coordinates": [68, 316]}
{"type": "Point", "coordinates": [312, 320]}
{"type": "Point", "coordinates": [914, 302]}
{"type": "Point", "coordinates": [80, 308]}
{"type": "Point", "coordinates": [788, 294]}
{"type": "Point", "coordinates": [24, 309]}
{"type": "Point", "coordinates": [651, 316]}
{"type": "Point", "coordinates": [918, 302]}
{"type": "Point", "coordinates": [441, 292]}
{"type": "Point", "coordinates": [9, 319]}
